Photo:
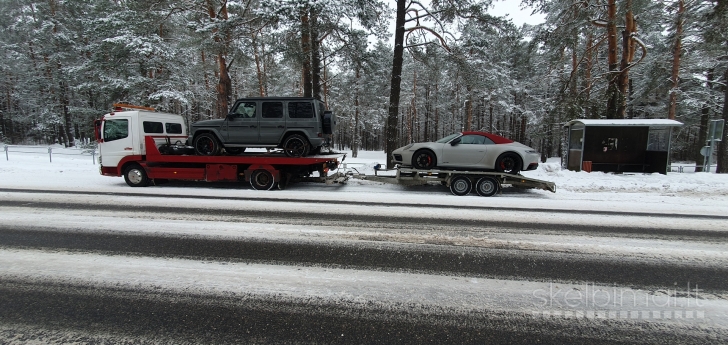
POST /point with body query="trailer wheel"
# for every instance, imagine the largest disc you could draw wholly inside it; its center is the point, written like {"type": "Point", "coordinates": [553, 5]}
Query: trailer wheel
{"type": "Point", "coordinates": [135, 176]}
{"type": "Point", "coordinates": [461, 185]}
{"type": "Point", "coordinates": [262, 179]}
{"type": "Point", "coordinates": [487, 186]}
{"type": "Point", "coordinates": [206, 145]}
{"type": "Point", "coordinates": [296, 146]}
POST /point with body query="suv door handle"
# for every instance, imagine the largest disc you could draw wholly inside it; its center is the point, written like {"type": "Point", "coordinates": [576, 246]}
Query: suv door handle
{"type": "Point", "coordinates": [281, 127]}
{"type": "Point", "coordinates": [253, 126]}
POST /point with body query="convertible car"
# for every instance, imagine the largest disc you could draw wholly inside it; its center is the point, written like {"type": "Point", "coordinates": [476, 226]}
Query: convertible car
{"type": "Point", "coordinates": [470, 150]}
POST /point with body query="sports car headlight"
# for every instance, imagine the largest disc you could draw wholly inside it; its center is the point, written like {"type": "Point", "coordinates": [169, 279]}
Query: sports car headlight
{"type": "Point", "coordinates": [407, 147]}
{"type": "Point", "coordinates": [531, 151]}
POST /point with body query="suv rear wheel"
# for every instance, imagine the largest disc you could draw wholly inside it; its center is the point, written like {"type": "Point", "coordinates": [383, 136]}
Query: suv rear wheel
{"type": "Point", "coordinates": [296, 146]}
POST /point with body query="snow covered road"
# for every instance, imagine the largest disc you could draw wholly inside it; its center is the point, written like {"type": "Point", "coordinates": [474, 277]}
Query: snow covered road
{"type": "Point", "coordinates": [492, 271]}
{"type": "Point", "coordinates": [607, 259]}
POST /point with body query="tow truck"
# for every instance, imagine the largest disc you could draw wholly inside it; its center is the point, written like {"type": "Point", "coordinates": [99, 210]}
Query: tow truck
{"type": "Point", "coordinates": [148, 147]}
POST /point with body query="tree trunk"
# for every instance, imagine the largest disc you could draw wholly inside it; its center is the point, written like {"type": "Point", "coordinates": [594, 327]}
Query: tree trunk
{"type": "Point", "coordinates": [68, 133]}
{"type": "Point", "coordinates": [258, 68]}
{"type": "Point", "coordinates": [224, 84]}
{"type": "Point", "coordinates": [676, 52]}
{"type": "Point", "coordinates": [306, 51]}
{"type": "Point", "coordinates": [437, 114]}
{"type": "Point", "coordinates": [703, 131]}
{"type": "Point", "coordinates": [469, 108]}
{"type": "Point", "coordinates": [722, 145]}
{"type": "Point", "coordinates": [355, 136]}
{"type": "Point", "coordinates": [628, 46]}
{"type": "Point", "coordinates": [391, 127]}
{"type": "Point", "coordinates": [413, 113]}
{"type": "Point", "coordinates": [612, 89]}
{"type": "Point", "coordinates": [315, 56]}
{"type": "Point", "coordinates": [588, 65]}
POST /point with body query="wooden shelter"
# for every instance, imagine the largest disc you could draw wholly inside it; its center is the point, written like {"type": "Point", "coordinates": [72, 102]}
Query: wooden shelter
{"type": "Point", "coordinates": [624, 145]}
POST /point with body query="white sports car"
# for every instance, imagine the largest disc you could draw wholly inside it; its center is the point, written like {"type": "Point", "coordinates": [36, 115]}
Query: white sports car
{"type": "Point", "coordinates": [471, 150]}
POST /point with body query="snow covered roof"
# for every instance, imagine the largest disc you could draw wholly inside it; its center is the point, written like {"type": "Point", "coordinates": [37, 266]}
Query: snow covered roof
{"type": "Point", "coordinates": [624, 122]}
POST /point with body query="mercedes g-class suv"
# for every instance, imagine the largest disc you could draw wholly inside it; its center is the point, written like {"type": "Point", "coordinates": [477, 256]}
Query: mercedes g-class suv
{"type": "Point", "coordinates": [300, 126]}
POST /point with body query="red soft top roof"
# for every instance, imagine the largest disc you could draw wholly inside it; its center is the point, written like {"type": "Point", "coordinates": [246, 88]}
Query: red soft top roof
{"type": "Point", "coordinates": [496, 138]}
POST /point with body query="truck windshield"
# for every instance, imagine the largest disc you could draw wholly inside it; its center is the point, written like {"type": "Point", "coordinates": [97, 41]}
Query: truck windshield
{"type": "Point", "coordinates": [116, 129]}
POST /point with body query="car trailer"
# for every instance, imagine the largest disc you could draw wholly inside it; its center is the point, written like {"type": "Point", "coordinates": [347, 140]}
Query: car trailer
{"type": "Point", "coordinates": [460, 182]}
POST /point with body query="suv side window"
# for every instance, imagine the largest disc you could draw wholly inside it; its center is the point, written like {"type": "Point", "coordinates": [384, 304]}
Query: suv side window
{"type": "Point", "coordinates": [245, 110]}
{"type": "Point", "coordinates": [300, 110]}
{"type": "Point", "coordinates": [116, 129]}
{"type": "Point", "coordinates": [272, 110]}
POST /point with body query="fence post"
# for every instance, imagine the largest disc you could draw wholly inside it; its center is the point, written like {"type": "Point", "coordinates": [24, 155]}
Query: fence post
{"type": "Point", "coordinates": [93, 156]}
{"type": "Point", "coordinates": [50, 155]}
{"type": "Point", "coordinates": [6, 152]}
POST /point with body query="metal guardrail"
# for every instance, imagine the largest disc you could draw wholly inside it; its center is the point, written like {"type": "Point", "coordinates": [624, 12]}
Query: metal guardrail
{"type": "Point", "coordinates": [22, 149]}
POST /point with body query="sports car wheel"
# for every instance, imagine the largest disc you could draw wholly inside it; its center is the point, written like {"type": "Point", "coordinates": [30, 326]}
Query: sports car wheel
{"type": "Point", "coordinates": [487, 186]}
{"type": "Point", "coordinates": [424, 159]}
{"type": "Point", "coordinates": [509, 163]}
{"type": "Point", "coordinates": [461, 185]}
{"type": "Point", "coordinates": [262, 180]}
{"type": "Point", "coordinates": [206, 145]}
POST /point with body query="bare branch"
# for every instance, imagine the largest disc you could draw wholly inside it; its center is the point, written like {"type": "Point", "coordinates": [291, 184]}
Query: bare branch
{"type": "Point", "coordinates": [442, 40]}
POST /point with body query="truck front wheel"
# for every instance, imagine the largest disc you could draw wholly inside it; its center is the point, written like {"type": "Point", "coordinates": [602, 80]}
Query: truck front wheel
{"type": "Point", "coordinates": [135, 176]}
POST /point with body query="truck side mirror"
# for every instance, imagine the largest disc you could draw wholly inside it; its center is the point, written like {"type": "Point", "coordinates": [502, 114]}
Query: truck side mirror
{"type": "Point", "coordinates": [97, 130]}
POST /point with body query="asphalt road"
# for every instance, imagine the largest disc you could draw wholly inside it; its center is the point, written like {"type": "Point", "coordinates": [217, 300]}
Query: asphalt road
{"type": "Point", "coordinates": [78, 268]}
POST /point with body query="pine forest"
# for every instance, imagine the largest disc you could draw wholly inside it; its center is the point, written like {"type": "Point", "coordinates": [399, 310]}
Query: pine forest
{"type": "Point", "coordinates": [394, 72]}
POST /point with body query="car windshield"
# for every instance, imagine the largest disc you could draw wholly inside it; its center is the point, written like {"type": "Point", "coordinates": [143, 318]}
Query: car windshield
{"type": "Point", "coordinates": [448, 138]}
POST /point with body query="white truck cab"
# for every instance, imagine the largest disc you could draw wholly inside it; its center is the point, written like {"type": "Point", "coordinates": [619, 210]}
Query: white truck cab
{"type": "Point", "coordinates": [121, 133]}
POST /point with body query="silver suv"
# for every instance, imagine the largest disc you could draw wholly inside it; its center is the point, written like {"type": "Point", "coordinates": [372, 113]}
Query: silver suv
{"type": "Point", "coordinates": [300, 126]}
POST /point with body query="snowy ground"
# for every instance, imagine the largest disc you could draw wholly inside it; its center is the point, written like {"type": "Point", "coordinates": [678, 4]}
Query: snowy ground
{"type": "Point", "coordinates": [685, 193]}
{"type": "Point", "coordinates": [392, 252]}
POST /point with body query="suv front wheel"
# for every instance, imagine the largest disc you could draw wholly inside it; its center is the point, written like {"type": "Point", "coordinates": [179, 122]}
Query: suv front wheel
{"type": "Point", "coordinates": [296, 146]}
{"type": "Point", "coordinates": [206, 145]}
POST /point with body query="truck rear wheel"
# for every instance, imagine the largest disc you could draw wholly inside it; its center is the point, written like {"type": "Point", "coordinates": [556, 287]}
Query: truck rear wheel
{"type": "Point", "coordinates": [262, 179]}
{"type": "Point", "coordinates": [136, 176]}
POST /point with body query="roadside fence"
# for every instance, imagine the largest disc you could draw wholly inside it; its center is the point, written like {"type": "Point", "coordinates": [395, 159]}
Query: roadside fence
{"type": "Point", "coordinates": [81, 150]}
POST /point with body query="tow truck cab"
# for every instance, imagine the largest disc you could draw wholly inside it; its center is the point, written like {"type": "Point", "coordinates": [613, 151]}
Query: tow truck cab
{"type": "Point", "coordinates": [121, 134]}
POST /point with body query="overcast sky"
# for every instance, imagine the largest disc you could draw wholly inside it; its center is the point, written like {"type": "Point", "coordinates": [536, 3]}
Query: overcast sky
{"type": "Point", "coordinates": [513, 9]}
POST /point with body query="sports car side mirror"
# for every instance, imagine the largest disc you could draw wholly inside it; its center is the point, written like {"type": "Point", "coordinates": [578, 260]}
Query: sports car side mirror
{"type": "Point", "coordinates": [455, 142]}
